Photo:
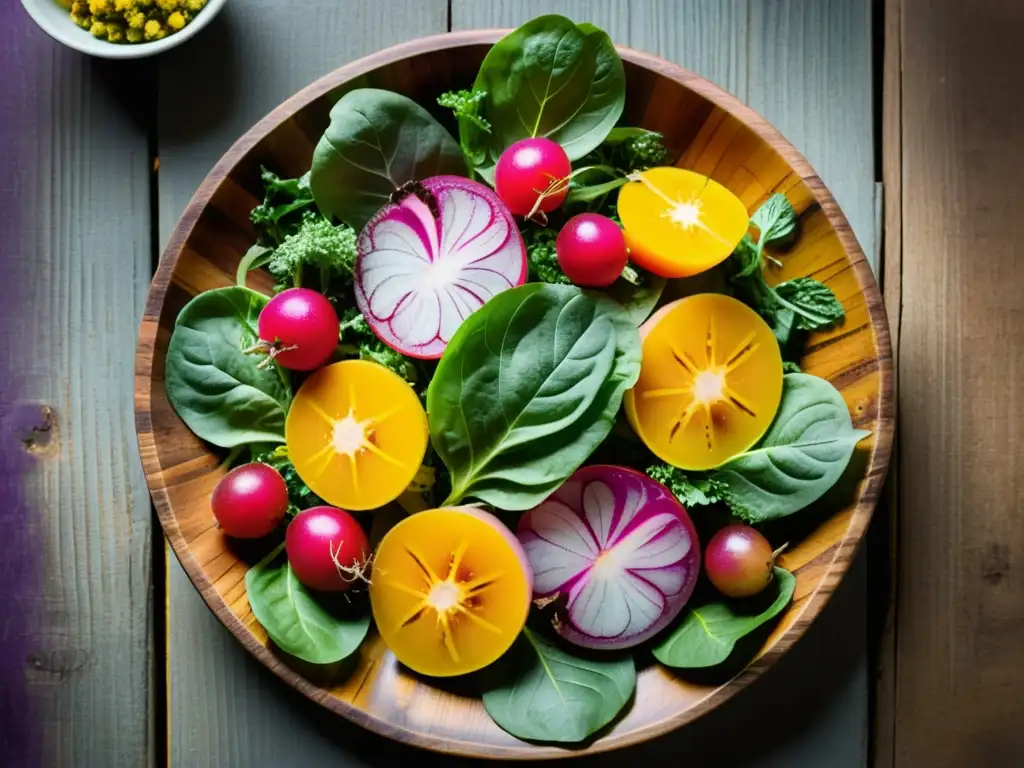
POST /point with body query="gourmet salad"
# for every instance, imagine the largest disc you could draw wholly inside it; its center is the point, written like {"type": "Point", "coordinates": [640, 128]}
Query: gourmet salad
{"type": "Point", "coordinates": [485, 410]}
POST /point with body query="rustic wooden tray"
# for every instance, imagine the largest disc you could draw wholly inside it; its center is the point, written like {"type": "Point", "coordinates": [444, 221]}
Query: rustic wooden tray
{"type": "Point", "coordinates": [713, 134]}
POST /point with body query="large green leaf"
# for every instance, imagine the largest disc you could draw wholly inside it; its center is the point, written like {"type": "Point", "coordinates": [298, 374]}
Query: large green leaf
{"type": "Point", "coordinates": [549, 78]}
{"type": "Point", "coordinates": [638, 300]}
{"type": "Point", "coordinates": [220, 392]}
{"type": "Point", "coordinates": [803, 454]}
{"type": "Point", "coordinates": [294, 619]}
{"type": "Point", "coordinates": [528, 387]}
{"type": "Point", "coordinates": [540, 692]}
{"type": "Point", "coordinates": [708, 634]}
{"type": "Point", "coordinates": [376, 142]}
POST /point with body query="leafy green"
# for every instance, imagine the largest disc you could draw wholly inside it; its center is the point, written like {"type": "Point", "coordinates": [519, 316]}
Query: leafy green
{"type": "Point", "coordinates": [376, 142]}
{"type": "Point", "coordinates": [538, 691]}
{"type": "Point", "coordinates": [708, 634]}
{"type": "Point", "coordinates": [356, 332]}
{"type": "Point", "coordinates": [299, 623]}
{"type": "Point", "coordinates": [466, 106]}
{"type": "Point", "coordinates": [300, 496]}
{"type": "Point", "coordinates": [549, 78]}
{"type": "Point", "coordinates": [328, 250]}
{"type": "Point", "coordinates": [804, 453]}
{"type": "Point", "coordinates": [541, 256]}
{"type": "Point", "coordinates": [217, 389]}
{"type": "Point", "coordinates": [775, 220]}
{"type": "Point", "coordinates": [803, 304]}
{"type": "Point", "coordinates": [639, 300]}
{"type": "Point", "coordinates": [256, 257]}
{"type": "Point", "coordinates": [813, 303]}
{"type": "Point", "coordinates": [285, 203]}
{"type": "Point", "coordinates": [528, 387]}
{"type": "Point", "coordinates": [693, 489]}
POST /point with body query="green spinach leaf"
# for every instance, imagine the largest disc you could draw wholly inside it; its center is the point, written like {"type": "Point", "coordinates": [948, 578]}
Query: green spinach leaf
{"type": "Point", "coordinates": [376, 142]}
{"type": "Point", "coordinates": [257, 256]}
{"type": "Point", "coordinates": [218, 390]}
{"type": "Point", "coordinates": [638, 300]}
{"type": "Point", "coordinates": [708, 634]}
{"type": "Point", "coordinates": [528, 387]}
{"type": "Point", "coordinates": [294, 619]}
{"type": "Point", "coordinates": [550, 78]}
{"type": "Point", "coordinates": [538, 691]}
{"type": "Point", "coordinates": [803, 454]}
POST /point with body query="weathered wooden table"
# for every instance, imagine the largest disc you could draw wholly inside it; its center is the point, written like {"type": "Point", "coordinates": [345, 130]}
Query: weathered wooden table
{"type": "Point", "coordinates": [108, 657]}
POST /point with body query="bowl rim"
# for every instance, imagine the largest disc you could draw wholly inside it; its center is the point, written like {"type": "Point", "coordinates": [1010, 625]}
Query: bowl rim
{"type": "Point", "coordinates": [843, 550]}
{"type": "Point", "coordinates": [70, 35]}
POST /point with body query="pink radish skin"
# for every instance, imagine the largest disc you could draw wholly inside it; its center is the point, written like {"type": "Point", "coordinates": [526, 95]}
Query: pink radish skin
{"type": "Point", "coordinates": [250, 501]}
{"type": "Point", "coordinates": [591, 250]}
{"type": "Point", "coordinates": [327, 548]}
{"type": "Point", "coordinates": [615, 553]}
{"type": "Point", "coordinates": [739, 561]}
{"type": "Point", "coordinates": [418, 276]}
{"type": "Point", "coordinates": [528, 168]}
{"type": "Point", "coordinates": [300, 328]}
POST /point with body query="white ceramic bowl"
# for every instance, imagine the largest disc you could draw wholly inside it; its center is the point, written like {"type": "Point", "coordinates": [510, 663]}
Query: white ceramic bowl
{"type": "Point", "coordinates": [55, 20]}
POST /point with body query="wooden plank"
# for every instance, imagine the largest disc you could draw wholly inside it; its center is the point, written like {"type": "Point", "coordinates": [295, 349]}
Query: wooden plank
{"type": "Point", "coordinates": [75, 653]}
{"type": "Point", "coordinates": [224, 708]}
{"type": "Point", "coordinates": [884, 536]}
{"type": "Point", "coordinates": [806, 65]}
{"type": "Point", "coordinates": [960, 656]}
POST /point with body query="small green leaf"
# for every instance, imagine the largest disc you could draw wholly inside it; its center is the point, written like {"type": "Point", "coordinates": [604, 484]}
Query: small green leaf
{"type": "Point", "coordinates": [217, 389]}
{"type": "Point", "coordinates": [803, 454]}
{"type": "Point", "coordinates": [538, 691]}
{"type": "Point", "coordinates": [294, 619]}
{"type": "Point", "coordinates": [815, 305]}
{"type": "Point", "coordinates": [708, 634]}
{"type": "Point", "coordinates": [776, 219]}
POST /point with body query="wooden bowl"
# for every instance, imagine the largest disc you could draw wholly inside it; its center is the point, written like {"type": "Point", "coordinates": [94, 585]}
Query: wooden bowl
{"type": "Point", "coordinates": [712, 133]}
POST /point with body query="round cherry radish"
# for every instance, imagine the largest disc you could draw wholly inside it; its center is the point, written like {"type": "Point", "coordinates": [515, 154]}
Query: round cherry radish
{"type": "Point", "coordinates": [327, 548]}
{"type": "Point", "coordinates": [591, 250]}
{"type": "Point", "coordinates": [300, 328]}
{"type": "Point", "coordinates": [250, 501]}
{"type": "Point", "coordinates": [526, 169]}
{"type": "Point", "coordinates": [739, 561]}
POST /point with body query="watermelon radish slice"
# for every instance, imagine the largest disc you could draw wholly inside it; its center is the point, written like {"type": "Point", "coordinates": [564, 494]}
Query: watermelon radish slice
{"type": "Point", "coordinates": [433, 257]}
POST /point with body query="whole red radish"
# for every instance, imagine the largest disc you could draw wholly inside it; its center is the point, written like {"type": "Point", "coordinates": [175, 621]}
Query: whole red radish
{"type": "Point", "coordinates": [327, 549]}
{"type": "Point", "coordinates": [591, 250]}
{"type": "Point", "coordinates": [250, 501]}
{"type": "Point", "coordinates": [739, 561]}
{"type": "Point", "coordinates": [300, 328]}
{"type": "Point", "coordinates": [526, 169]}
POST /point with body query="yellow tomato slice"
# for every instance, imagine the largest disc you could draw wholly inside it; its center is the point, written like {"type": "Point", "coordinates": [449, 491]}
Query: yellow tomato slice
{"type": "Point", "coordinates": [356, 433]}
{"type": "Point", "coordinates": [679, 223]}
{"type": "Point", "coordinates": [710, 381]}
{"type": "Point", "coordinates": [450, 590]}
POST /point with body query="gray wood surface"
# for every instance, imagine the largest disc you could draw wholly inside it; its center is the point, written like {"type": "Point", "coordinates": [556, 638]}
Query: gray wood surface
{"type": "Point", "coordinates": [805, 64]}
{"type": "Point", "coordinates": [75, 516]}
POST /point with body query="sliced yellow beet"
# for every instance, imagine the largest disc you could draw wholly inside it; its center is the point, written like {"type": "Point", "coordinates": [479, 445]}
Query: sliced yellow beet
{"type": "Point", "coordinates": [710, 381]}
{"type": "Point", "coordinates": [679, 223]}
{"type": "Point", "coordinates": [450, 590]}
{"type": "Point", "coordinates": [356, 433]}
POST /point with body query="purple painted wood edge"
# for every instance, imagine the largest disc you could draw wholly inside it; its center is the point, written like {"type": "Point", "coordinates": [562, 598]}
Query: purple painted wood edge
{"type": "Point", "coordinates": [21, 556]}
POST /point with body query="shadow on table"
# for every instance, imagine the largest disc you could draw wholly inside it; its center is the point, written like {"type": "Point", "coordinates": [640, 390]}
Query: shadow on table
{"type": "Point", "coordinates": [807, 710]}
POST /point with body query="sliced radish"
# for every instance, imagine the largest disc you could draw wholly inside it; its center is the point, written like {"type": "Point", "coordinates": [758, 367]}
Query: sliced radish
{"type": "Point", "coordinates": [429, 260]}
{"type": "Point", "coordinates": [616, 555]}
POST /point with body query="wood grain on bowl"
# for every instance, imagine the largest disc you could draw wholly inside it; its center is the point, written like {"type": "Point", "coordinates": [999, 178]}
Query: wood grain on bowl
{"type": "Point", "coordinates": [712, 133]}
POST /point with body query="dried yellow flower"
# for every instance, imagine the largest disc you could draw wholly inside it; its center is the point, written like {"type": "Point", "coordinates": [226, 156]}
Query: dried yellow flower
{"type": "Point", "coordinates": [176, 21]}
